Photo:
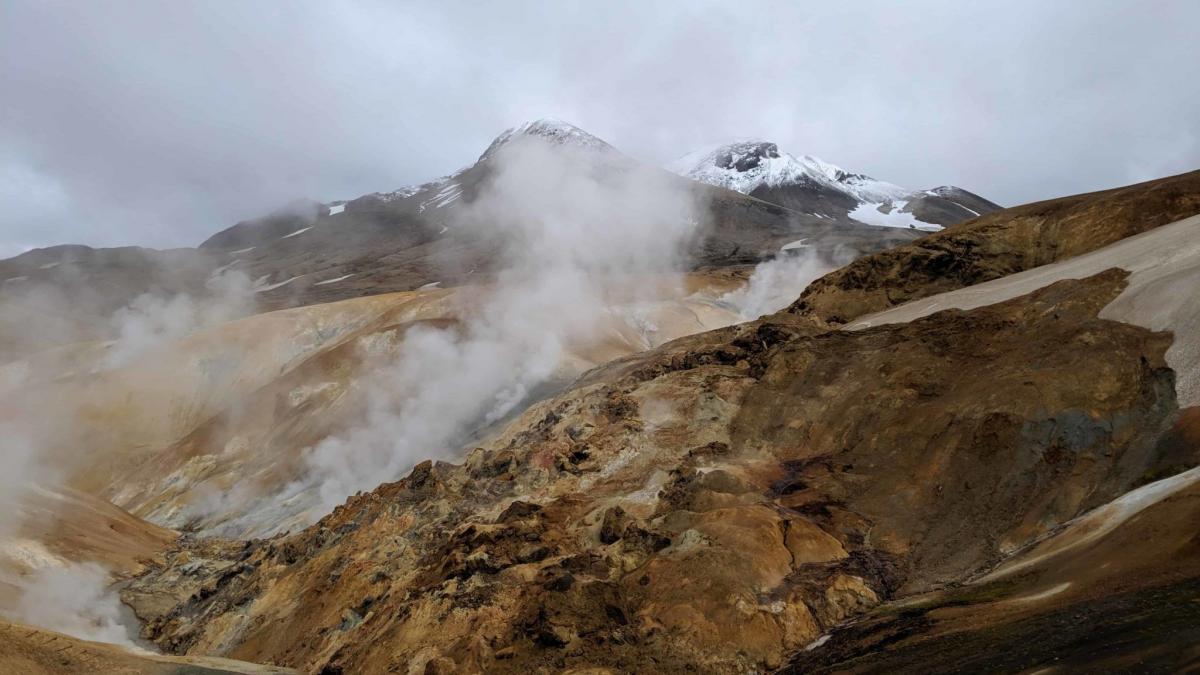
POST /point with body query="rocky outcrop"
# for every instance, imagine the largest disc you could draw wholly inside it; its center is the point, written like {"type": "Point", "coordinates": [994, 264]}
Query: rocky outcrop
{"type": "Point", "coordinates": [717, 504]}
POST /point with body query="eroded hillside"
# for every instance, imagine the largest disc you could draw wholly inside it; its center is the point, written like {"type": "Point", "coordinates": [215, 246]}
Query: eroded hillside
{"type": "Point", "coordinates": [717, 506]}
{"type": "Point", "coordinates": [919, 462]}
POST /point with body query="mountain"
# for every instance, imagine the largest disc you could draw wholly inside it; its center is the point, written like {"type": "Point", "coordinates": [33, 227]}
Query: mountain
{"type": "Point", "coordinates": [553, 130]}
{"type": "Point", "coordinates": [67, 294]}
{"type": "Point", "coordinates": [810, 185]}
{"type": "Point", "coordinates": [413, 451]}
{"type": "Point", "coordinates": [999, 473]}
{"type": "Point", "coordinates": [307, 252]}
{"type": "Point", "coordinates": [384, 241]}
{"type": "Point", "coordinates": [426, 198]}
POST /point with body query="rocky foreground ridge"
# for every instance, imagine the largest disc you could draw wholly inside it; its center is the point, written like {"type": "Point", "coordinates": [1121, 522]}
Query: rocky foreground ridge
{"type": "Point", "coordinates": [778, 494]}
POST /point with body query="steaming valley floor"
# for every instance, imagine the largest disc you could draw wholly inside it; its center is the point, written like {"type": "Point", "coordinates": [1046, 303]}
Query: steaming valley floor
{"type": "Point", "coordinates": [740, 500]}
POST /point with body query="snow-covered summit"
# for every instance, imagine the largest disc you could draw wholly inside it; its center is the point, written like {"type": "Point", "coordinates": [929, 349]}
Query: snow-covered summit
{"type": "Point", "coordinates": [554, 130]}
{"type": "Point", "coordinates": [823, 190]}
{"type": "Point", "coordinates": [745, 166]}
{"type": "Point", "coordinates": [447, 189]}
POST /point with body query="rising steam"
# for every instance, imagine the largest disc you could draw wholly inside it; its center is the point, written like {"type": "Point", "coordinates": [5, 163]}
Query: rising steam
{"type": "Point", "coordinates": [75, 597]}
{"type": "Point", "coordinates": [151, 321]}
{"type": "Point", "coordinates": [775, 283]}
{"type": "Point", "coordinates": [571, 223]}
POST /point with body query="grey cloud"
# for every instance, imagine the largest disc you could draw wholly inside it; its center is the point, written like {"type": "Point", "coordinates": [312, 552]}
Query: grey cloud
{"type": "Point", "coordinates": [160, 123]}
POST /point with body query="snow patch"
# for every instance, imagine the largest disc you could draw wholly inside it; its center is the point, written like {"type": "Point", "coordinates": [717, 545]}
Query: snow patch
{"type": "Point", "coordinates": [300, 231]}
{"type": "Point", "coordinates": [1162, 261]}
{"type": "Point", "coordinates": [553, 130]}
{"type": "Point", "coordinates": [262, 289]}
{"type": "Point", "coordinates": [448, 194]}
{"type": "Point", "coordinates": [221, 270]}
{"type": "Point", "coordinates": [819, 642]}
{"type": "Point", "coordinates": [333, 281]}
{"type": "Point", "coordinates": [334, 210]}
{"type": "Point", "coordinates": [1055, 590]}
{"type": "Point", "coordinates": [895, 216]}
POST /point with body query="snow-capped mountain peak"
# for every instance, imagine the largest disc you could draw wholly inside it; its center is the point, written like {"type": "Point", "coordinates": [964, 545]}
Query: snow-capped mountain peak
{"type": "Point", "coordinates": [745, 166]}
{"type": "Point", "coordinates": [553, 130]}
{"type": "Point", "coordinates": [447, 190]}
{"type": "Point", "coordinates": [810, 185]}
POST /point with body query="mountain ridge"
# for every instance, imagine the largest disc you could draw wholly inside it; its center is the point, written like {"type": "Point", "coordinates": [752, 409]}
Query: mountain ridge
{"type": "Point", "coordinates": [308, 253]}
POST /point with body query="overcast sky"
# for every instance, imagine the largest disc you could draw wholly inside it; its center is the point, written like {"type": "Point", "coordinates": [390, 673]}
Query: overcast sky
{"type": "Point", "coordinates": [158, 123]}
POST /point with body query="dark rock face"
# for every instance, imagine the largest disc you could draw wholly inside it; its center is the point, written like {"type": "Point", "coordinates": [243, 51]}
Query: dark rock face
{"type": "Point", "coordinates": [809, 196]}
{"type": "Point", "coordinates": [745, 156]}
{"type": "Point", "coordinates": [1157, 629]}
{"type": "Point", "coordinates": [803, 479]}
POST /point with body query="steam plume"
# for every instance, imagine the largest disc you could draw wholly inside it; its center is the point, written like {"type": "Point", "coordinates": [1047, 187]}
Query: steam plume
{"type": "Point", "coordinates": [571, 223]}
